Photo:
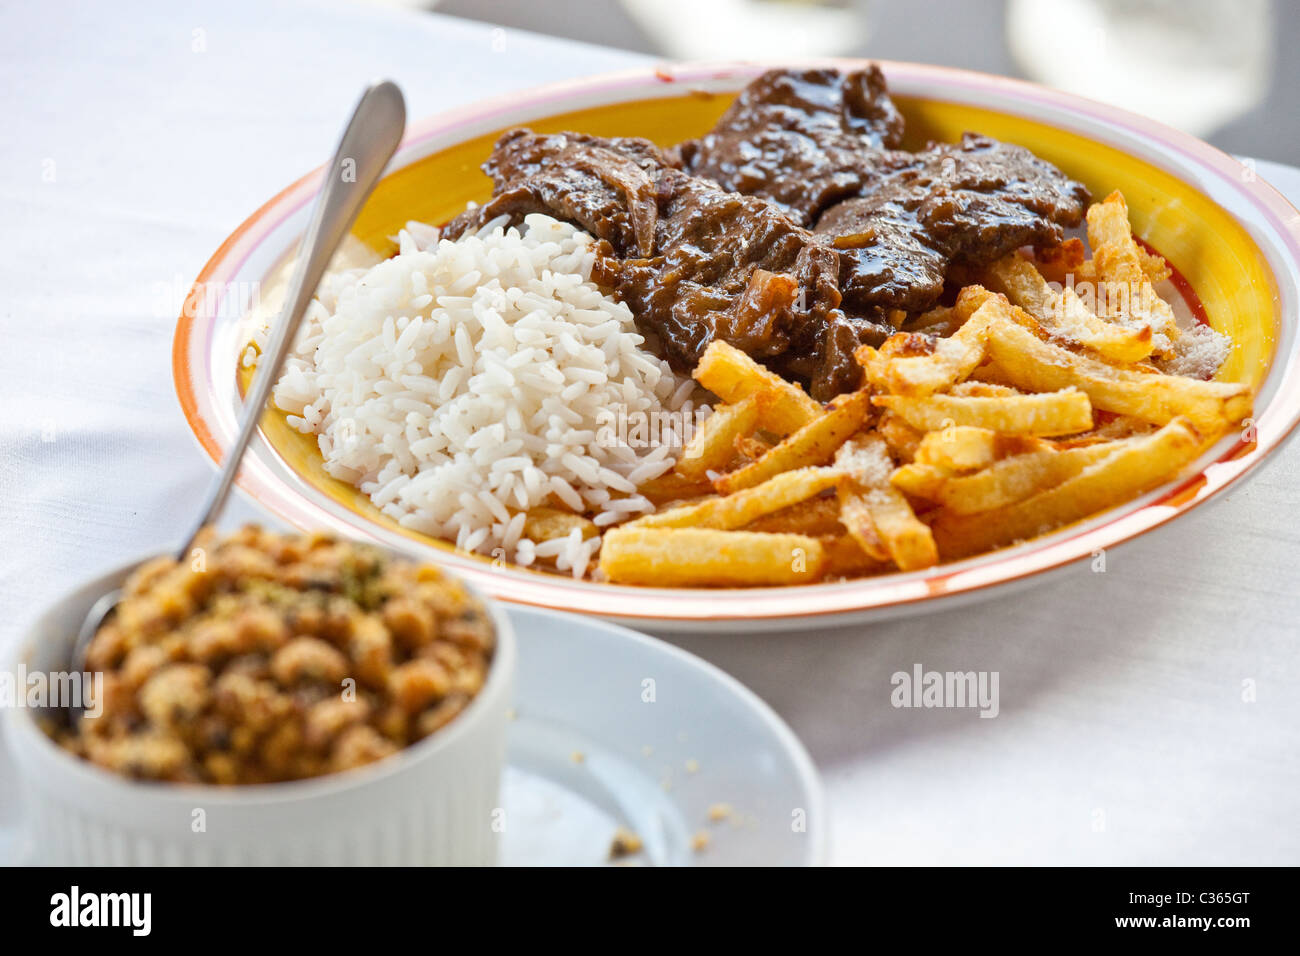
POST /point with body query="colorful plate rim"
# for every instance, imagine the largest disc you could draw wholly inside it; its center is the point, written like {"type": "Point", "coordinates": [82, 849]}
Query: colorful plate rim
{"type": "Point", "coordinates": [1273, 223]}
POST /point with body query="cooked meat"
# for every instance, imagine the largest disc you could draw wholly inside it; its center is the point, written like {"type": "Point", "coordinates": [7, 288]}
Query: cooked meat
{"type": "Point", "coordinates": [604, 185]}
{"type": "Point", "coordinates": [822, 144]}
{"type": "Point", "coordinates": [971, 203]}
{"type": "Point", "coordinates": [521, 153]}
{"type": "Point", "coordinates": [692, 261]}
{"type": "Point", "coordinates": [801, 139]}
{"type": "Point", "coordinates": [733, 267]}
{"type": "Point", "coordinates": [720, 248]}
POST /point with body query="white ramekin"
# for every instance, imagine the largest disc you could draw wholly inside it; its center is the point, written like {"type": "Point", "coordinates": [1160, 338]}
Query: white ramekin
{"type": "Point", "coordinates": [434, 803]}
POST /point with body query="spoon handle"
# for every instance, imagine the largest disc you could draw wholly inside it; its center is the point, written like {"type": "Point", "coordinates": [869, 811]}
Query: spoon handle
{"type": "Point", "coordinates": [368, 143]}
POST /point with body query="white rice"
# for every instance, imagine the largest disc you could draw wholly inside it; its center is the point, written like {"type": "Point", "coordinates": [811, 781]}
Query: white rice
{"type": "Point", "coordinates": [460, 384]}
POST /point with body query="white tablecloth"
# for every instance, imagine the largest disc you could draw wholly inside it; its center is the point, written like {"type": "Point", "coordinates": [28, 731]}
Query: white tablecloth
{"type": "Point", "coordinates": [138, 135]}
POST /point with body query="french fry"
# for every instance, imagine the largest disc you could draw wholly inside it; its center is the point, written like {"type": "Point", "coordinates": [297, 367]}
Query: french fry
{"type": "Point", "coordinates": [1067, 274]}
{"type": "Point", "coordinates": [920, 481]}
{"type": "Point", "coordinates": [902, 438]}
{"type": "Point", "coordinates": [752, 447]}
{"type": "Point", "coordinates": [705, 557]}
{"type": "Point", "coordinates": [1121, 426]}
{"type": "Point", "coordinates": [1076, 322]}
{"type": "Point", "coordinates": [959, 448]}
{"type": "Point", "coordinates": [941, 320]}
{"type": "Point", "coordinates": [945, 320]}
{"type": "Point", "coordinates": [875, 362]}
{"type": "Point", "coordinates": [813, 444]}
{"type": "Point", "coordinates": [1082, 274]}
{"type": "Point", "coordinates": [671, 486]}
{"type": "Point", "coordinates": [846, 559]}
{"type": "Point", "coordinates": [1138, 466]}
{"type": "Point", "coordinates": [906, 539]}
{"type": "Point", "coordinates": [543, 524]}
{"type": "Point", "coordinates": [874, 366]}
{"type": "Point", "coordinates": [1119, 263]}
{"type": "Point", "coordinates": [971, 299]}
{"type": "Point", "coordinates": [875, 511]}
{"type": "Point", "coordinates": [1017, 477]}
{"type": "Point", "coordinates": [713, 445]}
{"type": "Point", "coordinates": [1154, 267]}
{"type": "Point", "coordinates": [1067, 255]}
{"type": "Point", "coordinates": [816, 517]}
{"type": "Point", "coordinates": [982, 389]}
{"type": "Point", "coordinates": [733, 376]}
{"type": "Point", "coordinates": [1015, 277]}
{"type": "Point", "coordinates": [855, 515]}
{"type": "Point", "coordinates": [951, 360]}
{"type": "Point", "coordinates": [1058, 412]}
{"type": "Point", "coordinates": [744, 507]}
{"type": "Point", "coordinates": [1028, 362]}
{"type": "Point", "coordinates": [964, 448]}
{"type": "Point", "coordinates": [1064, 315]}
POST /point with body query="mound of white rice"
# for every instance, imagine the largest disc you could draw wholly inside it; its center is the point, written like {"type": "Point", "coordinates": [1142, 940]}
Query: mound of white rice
{"type": "Point", "coordinates": [462, 384]}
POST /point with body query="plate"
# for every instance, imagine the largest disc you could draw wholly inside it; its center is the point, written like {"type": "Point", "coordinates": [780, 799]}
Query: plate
{"type": "Point", "coordinates": [1232, 237]}
{"type": "Point", "coordinates": [614, 729]}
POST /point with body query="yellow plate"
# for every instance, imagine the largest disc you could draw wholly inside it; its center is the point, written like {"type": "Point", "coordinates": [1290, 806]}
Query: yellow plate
{"type": "Point", "coordinates": [1234, 241]}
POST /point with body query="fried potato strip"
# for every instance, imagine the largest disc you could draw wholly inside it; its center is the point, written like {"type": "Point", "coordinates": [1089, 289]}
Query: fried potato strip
{"type": "Point", "coordinates": [1028, 362]}
{"type": "Point", "coordinates": [713, 445]}
{"type": "Point", "coordinates": [813, 444]}
{"type": "Point", "coordinates": [705, 557]}
{"type": "Point", "coordinates": [735, 511]}
{"type": "Point", "coordinates": [1056, 412]}
{"type": "Point", "coordinates": [875, 512]}
{"type": "Point", "coordinates": [733, 376]}
{"type": "Point", "coordinates": [1137, 466]}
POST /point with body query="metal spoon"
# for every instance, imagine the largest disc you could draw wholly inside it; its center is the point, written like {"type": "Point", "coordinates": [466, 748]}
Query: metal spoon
{"type": "Point", "coordinates": [368, 143]}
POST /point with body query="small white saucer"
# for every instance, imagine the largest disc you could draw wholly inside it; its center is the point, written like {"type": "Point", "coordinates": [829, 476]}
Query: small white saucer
{"type": "Point", "coordinates": [614, 729]}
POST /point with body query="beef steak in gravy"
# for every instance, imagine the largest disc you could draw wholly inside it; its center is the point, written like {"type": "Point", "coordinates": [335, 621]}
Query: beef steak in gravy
{"type": "Point", "coordinates": [971, 203]}
{"type": "Point", "coordinates": [607, 186]}
{"type": "Point", "coordinates": [694, 262]}
{"type": "Point", "coordinates": [823, 145]}
{"type": "Point", "coordinates": [802, 139]}
{"type": "Point", "coordinates": [793, 229]}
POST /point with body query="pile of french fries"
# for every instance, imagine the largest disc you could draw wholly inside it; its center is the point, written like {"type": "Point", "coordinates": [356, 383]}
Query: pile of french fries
{"type": "Point", "coordinates": [1015, 411]}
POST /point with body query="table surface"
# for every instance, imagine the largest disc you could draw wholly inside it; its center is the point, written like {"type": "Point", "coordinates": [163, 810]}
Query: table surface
{"type": "Point", "coordinates": [1148, 714]}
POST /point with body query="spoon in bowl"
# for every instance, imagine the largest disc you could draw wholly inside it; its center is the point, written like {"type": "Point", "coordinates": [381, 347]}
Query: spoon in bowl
{"type": "Point", "coordinates": [368, 142]}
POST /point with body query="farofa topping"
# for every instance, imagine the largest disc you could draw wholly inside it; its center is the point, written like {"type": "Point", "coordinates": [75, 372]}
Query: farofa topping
{"type": "Point", "coordinates": [276, 657]}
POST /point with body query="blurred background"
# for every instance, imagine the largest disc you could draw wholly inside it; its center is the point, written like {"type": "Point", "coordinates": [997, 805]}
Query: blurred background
{"type": "Point", "coordinates": [1219, 69]}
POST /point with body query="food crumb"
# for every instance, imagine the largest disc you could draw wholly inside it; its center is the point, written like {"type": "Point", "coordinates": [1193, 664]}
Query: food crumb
{"type": "Point", "coordinates": [647, 751]}
{"type": "Point", "coordinates": [692, 765]}
{"type": "Point", "coordinates": [700, 842]}
{"type": "Point", "coordinates": [578, 757]}
{"type": "Point", "coordinates": [624, 843]}
{"type": "Point", "coordinates": [719, 812]}
{"type": "Point", "coordinates": [512, 714]}
{"type": "Point", "coordinates": [1197, 353]}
